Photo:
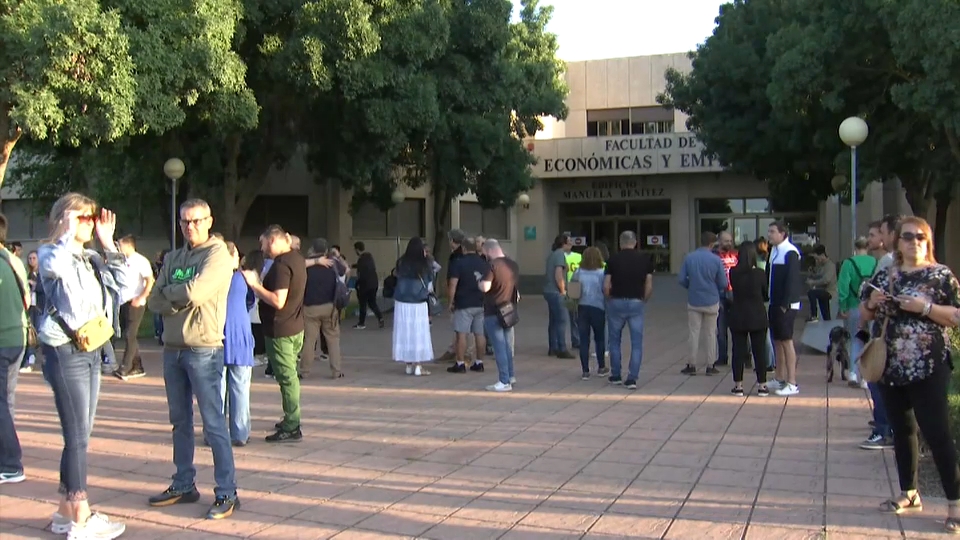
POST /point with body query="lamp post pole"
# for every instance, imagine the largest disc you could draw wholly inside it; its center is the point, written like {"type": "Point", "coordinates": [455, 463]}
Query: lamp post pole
{"type": "Point", "coordinates": [173, 169]}
{"type": "Point", "coordinates": [853, 132]}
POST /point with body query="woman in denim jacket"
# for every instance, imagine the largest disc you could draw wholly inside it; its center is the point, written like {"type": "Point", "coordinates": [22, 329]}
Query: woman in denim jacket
{"type": "Point", "coordinates": [591, 311]}
{"type": "Point", "coordinates": [80, 285]}
{"type": "Point", "coordinates": [412, 343]}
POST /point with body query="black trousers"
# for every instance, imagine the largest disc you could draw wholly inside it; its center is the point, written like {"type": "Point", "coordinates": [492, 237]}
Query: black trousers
{"type": "Point", "coordinates": [923, 405]}
{"type": "Point", "coordinates": [819, 298]}
{"type": "Point", "coordinates": [368, 298]}
{"type": "Point", "coordinates": [741, 353]}
{"type": "Point", "coordinates": [131, 317]}
{"type": "Point", "coordinates": [259, 344]}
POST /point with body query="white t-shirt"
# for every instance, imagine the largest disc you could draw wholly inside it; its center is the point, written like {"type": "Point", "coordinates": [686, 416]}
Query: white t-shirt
{"type": "Point", "coordinates": [138, 270]}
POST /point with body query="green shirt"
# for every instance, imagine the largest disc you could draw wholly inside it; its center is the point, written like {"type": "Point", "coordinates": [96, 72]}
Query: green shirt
{"type": "Point", "coordinates": [573, 262]}
{"type": "Point", "coordinates": [13, 316]}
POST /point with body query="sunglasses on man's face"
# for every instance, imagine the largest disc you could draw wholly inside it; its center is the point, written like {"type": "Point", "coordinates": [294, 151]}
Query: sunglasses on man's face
{"type": "Point", "coordinates": [911, 236]}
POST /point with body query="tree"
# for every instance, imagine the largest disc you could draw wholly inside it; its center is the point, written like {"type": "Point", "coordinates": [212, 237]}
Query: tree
{"type": "Point", "coordinates": [67, 74]}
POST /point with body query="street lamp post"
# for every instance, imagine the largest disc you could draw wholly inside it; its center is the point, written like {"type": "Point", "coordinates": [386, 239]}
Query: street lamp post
{"type": "Point", "coordinates": [174, 169]}
{"type": "Point", "coordinates": [853, 132]}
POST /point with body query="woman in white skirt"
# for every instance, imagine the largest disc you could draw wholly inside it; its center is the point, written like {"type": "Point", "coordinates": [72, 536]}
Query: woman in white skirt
{"type": "Point", "coordinates": [412, 343]}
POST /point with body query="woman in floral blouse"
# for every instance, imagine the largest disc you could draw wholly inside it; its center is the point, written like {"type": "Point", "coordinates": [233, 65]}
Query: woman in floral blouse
{"type": "Point", "coordinates": [918, 309]}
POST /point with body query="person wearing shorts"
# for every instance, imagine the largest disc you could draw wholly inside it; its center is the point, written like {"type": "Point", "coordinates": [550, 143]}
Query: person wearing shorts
{"type": "Point", "coordinates": [466, 305]}
{"type": "Point", "coordinates": [786, 283]}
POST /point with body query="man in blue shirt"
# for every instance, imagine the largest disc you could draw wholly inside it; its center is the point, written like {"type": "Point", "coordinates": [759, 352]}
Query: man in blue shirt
{"type": "Point", "coordinates": [705, 280]}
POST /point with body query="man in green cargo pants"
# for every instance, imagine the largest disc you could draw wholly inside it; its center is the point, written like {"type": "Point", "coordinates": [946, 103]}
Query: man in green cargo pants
{"type": "Point", "coordinates": [281, 314]}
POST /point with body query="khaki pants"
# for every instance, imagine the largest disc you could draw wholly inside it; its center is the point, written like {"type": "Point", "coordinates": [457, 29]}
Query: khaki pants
{"type": "Point", "coordinates": [703, 334]}
{"type": "Point", "coordinates": [316, 319]}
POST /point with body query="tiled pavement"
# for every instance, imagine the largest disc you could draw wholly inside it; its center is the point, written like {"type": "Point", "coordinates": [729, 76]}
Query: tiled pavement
{"type": "Point", "coordinates": [392, 456]}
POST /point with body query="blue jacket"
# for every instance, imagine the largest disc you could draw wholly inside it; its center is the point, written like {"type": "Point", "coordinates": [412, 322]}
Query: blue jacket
{"type": "Point", "coordinates": [238, 336]}
{"type": "Point", "coordinates": [703, 276]}
{"type": "Point", "coordinates": [412, 287]}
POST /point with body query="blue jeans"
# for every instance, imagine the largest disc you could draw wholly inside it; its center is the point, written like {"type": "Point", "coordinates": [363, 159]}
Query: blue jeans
{"type": "Point", "coordinates": [881, 424]}
{"type": "Point", "coordinates": [198, 372]}
{"type": "Point", "coordinates": [157, 326]}
{"type": "Point", "coordinates": [771, 354]}
{"type": "Point", "coordinates": [11, 455]}
{"type": "Point", "coordinates": [235, 395]}
{"type": "Point", "coordinates": [574, 328]}
{"type": "Point", "coordinates": [500, 340]}
{"type": "Point", "coordinates": [722, 328]}
{"type": "Point", "coordinates": [557, 320]}
{"type": "Point", "coordinates": [625, 312]}
{"type": "Point", "coordinates": [592, 318]}
{"type": "Point", "coordinates": [852, 324]}
{"type": "Point", "coordinates": [74, 377]}
{"type": "Point", "coordinates": [30, 356]}
{"type": "Point", "coordinates": [109, 354]}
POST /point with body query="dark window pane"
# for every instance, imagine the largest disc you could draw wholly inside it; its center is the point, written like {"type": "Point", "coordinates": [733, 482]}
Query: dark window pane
{"type": "Point", "coordinates": [720, 206]}
{"type": "Point", "coordinates": [651, 207]}
{"type": "Point", "coordinates": [624, 127]}
{"type": "Point", "coordinates": [585, 209]}
{"type": "Point", "coordinates": [406, 219]}
{"type": "Point", "coordinates": [714, 225]}
{"type": "Point", "coordinates": [604, 128]}
{"type": "Point", "coordinates": [593, 129]}
{"type": "Point", "coordinates": [369, 221]}
{"type": "Point", "coordinates": [615, 209]}
{"type": "Point", "coordinates": [288, 211]}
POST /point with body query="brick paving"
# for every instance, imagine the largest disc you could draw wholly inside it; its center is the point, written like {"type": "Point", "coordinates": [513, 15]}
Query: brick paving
{"type": "Point", "coordinates": [391, 456]}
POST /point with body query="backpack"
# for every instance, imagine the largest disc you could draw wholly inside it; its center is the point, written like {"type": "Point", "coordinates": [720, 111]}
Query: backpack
{"type": "Point", "coordinates": [341, 296]}
{"type": "Point", "coordinates": [856, 290]}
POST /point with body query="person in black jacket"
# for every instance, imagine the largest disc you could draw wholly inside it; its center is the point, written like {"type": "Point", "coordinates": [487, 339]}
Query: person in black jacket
{"type": "Point", "coordinates": [367, 285]}
{"type": "Point", "coordinates": [786, 283]}
{"type": "Point", "coordinates": [748, 318]}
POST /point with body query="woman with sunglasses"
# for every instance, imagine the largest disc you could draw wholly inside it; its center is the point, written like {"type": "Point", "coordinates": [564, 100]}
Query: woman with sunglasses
{"type": "Point", "coordinates": [80, 286]}
{"type": "Point", "coordinates": [917, 299]}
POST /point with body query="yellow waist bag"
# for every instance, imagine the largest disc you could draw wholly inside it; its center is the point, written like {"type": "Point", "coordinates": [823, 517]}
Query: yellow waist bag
{"type": "Point", "coordinates": [94, 333]}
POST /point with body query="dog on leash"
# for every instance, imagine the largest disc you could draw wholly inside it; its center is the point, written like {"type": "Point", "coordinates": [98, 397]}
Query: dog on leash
{"type": "Point", "coordinates": [837, 353]}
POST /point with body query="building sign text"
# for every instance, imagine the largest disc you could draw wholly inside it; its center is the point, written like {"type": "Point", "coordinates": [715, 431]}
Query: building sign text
{"type": "Point", "coordinates": [604, 190]}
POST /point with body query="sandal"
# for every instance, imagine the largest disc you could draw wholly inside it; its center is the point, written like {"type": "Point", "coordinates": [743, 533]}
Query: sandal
{"type": "Point", "coordinates": [903, 503]}
{"type": "Point", "coordinates": [951, 525]}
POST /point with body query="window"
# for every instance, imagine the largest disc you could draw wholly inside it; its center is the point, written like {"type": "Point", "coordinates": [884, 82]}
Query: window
{"type": "Point", "coordinates": [489, 222]}
{"type": "Point", "coordinates": [288, 211]}
{"type": "Point", "coordinates": [22, 221]}
{"type": "Point", "coordinates": [758, 206]}
{"type": "Point", "coordinates": [635, 121]}
{"type": "Point", "coordinates": [405, 220]}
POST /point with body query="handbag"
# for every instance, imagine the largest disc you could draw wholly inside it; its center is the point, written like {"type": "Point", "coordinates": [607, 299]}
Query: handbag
{"type": "Point", "coordinates": [873, 357]}
{"type": "Point", "coordinates": [93, 333]}
{"type": "Point", "coordinates": [434, 307]}
{"type": "Point", "coordinates": [574, 290]}
{"type": "Point", "coordinates": [389, 285]}
{"type": "Point", "coordinates": [507, 315]}
{"type": "Point", "coordinates": [31, 331]}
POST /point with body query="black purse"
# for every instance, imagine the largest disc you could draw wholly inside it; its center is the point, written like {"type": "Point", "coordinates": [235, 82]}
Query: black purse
{"type": "Point", "coordinates": [389, 285]}
{"type": "Point", "coordinates": [507, 315]}
{"type": "Point", "coordinates": [433, 303]}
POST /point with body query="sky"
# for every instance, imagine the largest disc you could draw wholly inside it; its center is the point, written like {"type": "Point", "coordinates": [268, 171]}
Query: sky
{"type": "Point", "coordinates": [595, 29]}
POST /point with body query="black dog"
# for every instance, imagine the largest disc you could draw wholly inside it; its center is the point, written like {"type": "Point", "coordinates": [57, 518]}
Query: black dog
{"type": "Point", "coordinates": [837, 351]}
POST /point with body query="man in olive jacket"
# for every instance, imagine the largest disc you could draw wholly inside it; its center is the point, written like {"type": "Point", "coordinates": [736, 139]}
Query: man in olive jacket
{"type": "Point", "coordinates": [191, 296]}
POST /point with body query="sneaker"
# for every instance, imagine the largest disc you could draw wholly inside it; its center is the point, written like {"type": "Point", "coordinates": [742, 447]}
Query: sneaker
{"type": "Point", "coordinates": [457, 368]}
{"type": "Point", "coordinates": [172, 496]}
{"type": "Point", "coordinates": [774, 384]}
{"type": "Point", "coordinates": [689, 370]}
{"type": "Point", "coordinates": [360, 326]}
{"type": "Point", "coordinates": [409, 369]}
{"type": "Point", "coordinates": [239, 444]}
{"type": "Point", "coordinates": [282, 436]}
{"type": "Point", "coordinates": [616, 381]}
{"type": "Point", "coordinates": [97, 527]}
{"type": "Point", "coordinates": [26, 369]}
{"type": "Point", "coordinates": [12, 477]}
{"type": "Point", "coordinates": [59, 524]}
{"type": "Point", "coordinates": [788, 390]}
{"type": "Point", "coordinates": [259, 360]}
{"type": "Point", "coordinates": [630, 384]}
{"type": "Point", "coordinates": [603, 372]}
{"type": "Point", "coordinates": [737, 392]}
{"type": "Point", "coordinates": [134, 373]}
{"type": "Point", "coordinates": [477, 367]}
{"type": "Point", "coordinates": [863, 385]}
{"type": "Point", "coordinates": [763, 391]}
{"type": "Point", "coordinates": [713, 371]}
{"type": "Point", "coordinates": [585, 376]}
{"type": "Point", "coordinates": [223, 507]}
{"type": "Point", "coordinates": [500, 387]}
{"type": "Point", "coordinates": [513, 381]}
{"type": "Point", "coordinates": [380, 323]}
{"type": "Point", "coordinates": [565, 355]}
{"type": "Point", "coordinates": [877, 442]}
{"type": "Point", "coordinates": [488, 350]}
{"type": "Point", "coordinates": [268, 373]}
{"type": "Point", "coordinates": [418, 371]}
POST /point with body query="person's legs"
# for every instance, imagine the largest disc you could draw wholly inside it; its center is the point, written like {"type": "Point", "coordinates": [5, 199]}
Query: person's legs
{"type": "Point", "coordinates": [722, 327]}
{"type": "Point", "coordinates": [812, 299]}
{"type": "Point", "coordinates": [479, 334]}
{"type": "Point", "coordinates": [852, 325]}
{"type": "Point", "coordinates": [711, 324]}
{"type": "Point", "coordinates": [109, 358]}
{"type": "Point", "coordinates": [283, 353]}
{"type": "Point", "coordinates": [694, 322]}
{"type": "Point", "coordinates": [554, 308]}
{"type": "Point", "coordinates": [584, 326]}
{"type": "Point", "coordinates": [180, 405]}
{"type": "Point", "coordinates": [204, 369]}
{"type": "Point", "coordinates": [574, 328]}
{"type": "Point", "coordinates": [929, 399]}
{"type": "Point", "coordinates": [11, 454]}
{"type": "Point", "coordinates": [501, 350]}
{"type": "Point", "coordinates": [616, 320]}
{"type": "Point", "coordinates": [362, 306]}
{"type": "Point", "coordinates": [330, 329]}
{"type": "Point", "coordinates": [771, 352]}
{"type": "Point", "coordinates": [372, 303]}
{"type": "Point", "coordinates": [906, 445]}
{"type": "Point", "coordinates": [131, 316]}
{"type": "Point", "coordinates": [311, 332]}
{"type": "Point", "coordinates": [635, 321]}
{"type": "Point", "coordinates": [758, 345]}
{"type": "Point", "coordinates": [790, 355]}
{"type": "Point", "coordinates": [739, 345]}
{"type": "Point", "coordinates": [238, 383]}
{"type": "Point", "coordinates": [881, 423]}
{"type": "Point", "coordinates": [598, 321]}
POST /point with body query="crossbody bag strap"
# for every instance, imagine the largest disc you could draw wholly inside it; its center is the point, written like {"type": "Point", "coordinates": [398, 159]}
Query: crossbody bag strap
{"type": "Point", "coordinates": [53, 312]}
{"type": "Point", "coordinates": [886, 318]}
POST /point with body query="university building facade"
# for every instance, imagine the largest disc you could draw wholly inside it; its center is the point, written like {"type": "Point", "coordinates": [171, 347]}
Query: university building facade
{"type": "Point", "coordinates": [618, 162]}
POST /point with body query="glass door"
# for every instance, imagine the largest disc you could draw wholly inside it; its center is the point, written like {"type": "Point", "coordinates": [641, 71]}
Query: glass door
{"type": "Point", "coordinates": [606, 232]}
{"type": "Point", "coordinates": [623, 226]}
{"type": "Point", "coordinates": [655, 240]}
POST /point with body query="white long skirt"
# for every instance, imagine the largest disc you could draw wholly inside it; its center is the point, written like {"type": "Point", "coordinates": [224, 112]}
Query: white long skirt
{"type": "Point", "coordinates": [412, 343]}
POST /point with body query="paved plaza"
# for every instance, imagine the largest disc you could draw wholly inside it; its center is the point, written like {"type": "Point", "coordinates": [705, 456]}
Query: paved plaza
{"type": "Point", "coordinates": [387, 455]}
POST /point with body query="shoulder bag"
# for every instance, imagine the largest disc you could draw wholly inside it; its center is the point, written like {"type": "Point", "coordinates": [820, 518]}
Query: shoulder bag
{"type": "Point", "coordinates": [31, 331]}
{"type": "Point", "coordinates": [873, 357]}
{"type": "Point", "coordinates": [93, 333]}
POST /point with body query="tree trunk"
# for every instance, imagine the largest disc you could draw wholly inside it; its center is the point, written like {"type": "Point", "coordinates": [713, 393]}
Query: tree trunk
{"type": "Point", "coordinates": [917, 190]}
{"type": "Point", "coordinates": [8, 139]}
{"type": "Point", "coordinates": [441, 210]}
{"type": "Point", "coordinates": [943, 199]}
{"type": "Point", "coordinates": [239, 193]}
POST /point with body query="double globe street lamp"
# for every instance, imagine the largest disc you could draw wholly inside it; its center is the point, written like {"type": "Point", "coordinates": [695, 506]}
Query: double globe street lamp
{"type": "Point", "coordinates": [853, 132]}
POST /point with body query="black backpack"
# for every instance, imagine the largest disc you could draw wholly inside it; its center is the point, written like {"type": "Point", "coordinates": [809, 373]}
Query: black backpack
{"type": "Point", "coordinates": [341, 296]}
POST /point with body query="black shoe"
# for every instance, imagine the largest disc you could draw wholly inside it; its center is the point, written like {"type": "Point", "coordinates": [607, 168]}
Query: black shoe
{"type": "Point", "coordinates": [457, 368]}
{"type": "Point", "coordinates": [737, 392]}
{"type": "Point", "coordinates": [616, 381]}
{"type": "Point", "coordinates": [282, 436]}
{"type": "Point", "coordinates": [268, 372]}
{"type": "Point", "coordinates": [172, 496]}
{"type": "Point", "coordinates": [630, 384]}
{"type": "Point", "coordinates": [223, 507]}
{"type": "Point", "coordinates": [763, 391]}
{"type": "Point", "coordinates": [689, 370]}
{"type": "Point", "coordinates": [713, 371]}
{"type": "Point", "coordinates": [380, 322]}
{"type": "Point", "coordinates": [565, 355]}
{"type": "Point", "coordinates": [240, 444]}
{"type": "Point", "coordinates": [477, 367]}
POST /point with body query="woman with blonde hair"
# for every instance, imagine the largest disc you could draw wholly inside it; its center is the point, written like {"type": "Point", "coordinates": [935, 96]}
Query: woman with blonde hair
{"type": "Point", "coordinates": [914, 302]}
{"type": "Point", "coordinates": [82, 290]}
{"type": "Point", "coordinates": [591, 312]}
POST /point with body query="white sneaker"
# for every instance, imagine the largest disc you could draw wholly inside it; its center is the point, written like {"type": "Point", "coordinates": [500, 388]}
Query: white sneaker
{"type": "Point", "coordinates": [788, 390]}
{"type": "Point", "coordinates": [97, 527]}
{"type": "Point", "coordinates": [863, 385]}
{"type": "Point", "coordinates": [418, 371]}
{"type": "Point", "coordinates": [774, 384]}
{"type": "Point", "coordinates": [60, 524]}
{"type": "Point", "coordinates": [500, 387]}
{"type": "Point", "coordinates": [409, 369]}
